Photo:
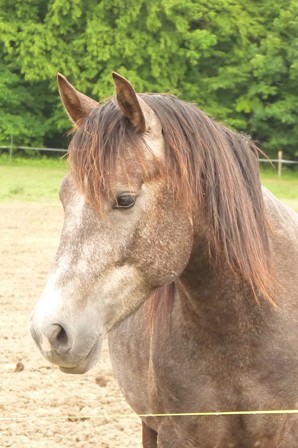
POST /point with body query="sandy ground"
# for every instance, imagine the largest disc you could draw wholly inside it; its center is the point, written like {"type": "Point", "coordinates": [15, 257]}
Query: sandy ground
{"type": "Point", "coordinates": [40, 406]}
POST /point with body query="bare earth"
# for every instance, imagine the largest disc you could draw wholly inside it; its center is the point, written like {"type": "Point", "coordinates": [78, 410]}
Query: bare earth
{"type": "Point", "coordinates": [41, 407]}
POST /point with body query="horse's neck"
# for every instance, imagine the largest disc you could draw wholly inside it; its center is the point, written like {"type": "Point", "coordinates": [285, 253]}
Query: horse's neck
{"type": "Point", "coordinates": [202, 278]}
{"type": "Point", "coordinates": [212, 297]}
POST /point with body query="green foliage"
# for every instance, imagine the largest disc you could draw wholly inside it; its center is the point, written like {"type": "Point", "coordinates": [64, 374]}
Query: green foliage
{"type": "Point", "coordinates": [237, 60]}
{"type": "Point", "coordinates": [22, 110]}
{"type": "Point", "coordinates": [270, 101]}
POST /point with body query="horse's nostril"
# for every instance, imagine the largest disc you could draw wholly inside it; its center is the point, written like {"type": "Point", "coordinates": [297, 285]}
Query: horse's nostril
{"type": "Point", "coordinates": [57, 337]}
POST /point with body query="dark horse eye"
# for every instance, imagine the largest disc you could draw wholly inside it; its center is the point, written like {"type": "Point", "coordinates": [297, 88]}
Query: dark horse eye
{"type": "Point", "coordinates": [124, 201]}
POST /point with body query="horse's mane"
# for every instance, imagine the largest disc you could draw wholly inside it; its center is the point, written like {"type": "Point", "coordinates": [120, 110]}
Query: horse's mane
{"type": "Point", "coordinates": [209, 167]}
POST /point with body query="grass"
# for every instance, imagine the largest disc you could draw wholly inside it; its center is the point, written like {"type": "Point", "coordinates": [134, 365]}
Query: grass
{"type": "Point", "coordinates": [285, 188]}
{"type": "Point", "coordinates": [31, 179]}
{"type": "Point", "coordinates": [39, 180]}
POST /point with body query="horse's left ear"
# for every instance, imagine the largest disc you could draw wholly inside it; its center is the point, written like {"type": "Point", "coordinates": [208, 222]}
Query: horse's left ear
{"type": "Point", "coordinates": [76, 104]}
{"type": "Point", "coordinates": [129, 102]}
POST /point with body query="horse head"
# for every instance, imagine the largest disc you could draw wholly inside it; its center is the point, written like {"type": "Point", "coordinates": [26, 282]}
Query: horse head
{"type": "Point", "coordinates": [124, 232]}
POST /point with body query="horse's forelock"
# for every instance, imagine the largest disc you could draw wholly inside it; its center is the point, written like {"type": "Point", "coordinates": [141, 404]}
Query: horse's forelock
{"type": "Point", "coordinates": [208, 166]}
{"type": "Point", "coordinates": [104, 142]}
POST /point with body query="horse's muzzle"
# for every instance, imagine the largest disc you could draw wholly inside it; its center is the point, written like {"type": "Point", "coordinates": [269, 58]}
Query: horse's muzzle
{"type": "Point", "coordinates": [73, 351]}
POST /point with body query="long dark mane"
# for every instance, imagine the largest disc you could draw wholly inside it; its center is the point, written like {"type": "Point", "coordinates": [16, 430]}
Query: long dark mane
{"type": "Point", "coordinates": [210, 168]}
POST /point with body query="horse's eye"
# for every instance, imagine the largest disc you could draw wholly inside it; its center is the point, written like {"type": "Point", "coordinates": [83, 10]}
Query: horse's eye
{"type": "Point", "coordinates": [124, 201]}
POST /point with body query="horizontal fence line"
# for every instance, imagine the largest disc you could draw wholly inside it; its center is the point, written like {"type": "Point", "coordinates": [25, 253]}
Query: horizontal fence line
{"type": "Point", "coordinates": [278, 161]}
{"type": "Point", "coordinates": [65, 150]}
{"type": "Point", "coordinates": [76, 417]}
{"type": "Point", "coordinates": [34, 149]}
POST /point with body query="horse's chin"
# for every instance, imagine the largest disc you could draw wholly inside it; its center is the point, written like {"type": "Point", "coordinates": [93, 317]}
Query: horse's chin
{"type": "Point", "coordinates": [87, 363]}
{"type": "Point", "coordinates": [79, 369]}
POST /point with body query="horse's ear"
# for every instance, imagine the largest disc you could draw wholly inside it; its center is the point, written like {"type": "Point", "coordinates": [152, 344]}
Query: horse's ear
{"type": "Point", "coordinates": [129, 102]}
{"type": "Point", "coordinates": [76, 104]}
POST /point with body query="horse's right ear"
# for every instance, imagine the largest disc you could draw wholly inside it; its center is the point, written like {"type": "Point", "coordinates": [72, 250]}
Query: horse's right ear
{"type": "Point", "coordinates": [76, 104]}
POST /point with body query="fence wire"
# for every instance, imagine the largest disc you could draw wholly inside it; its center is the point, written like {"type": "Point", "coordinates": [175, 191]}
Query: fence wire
{"type": "Point", "coordinates": [11, 149]}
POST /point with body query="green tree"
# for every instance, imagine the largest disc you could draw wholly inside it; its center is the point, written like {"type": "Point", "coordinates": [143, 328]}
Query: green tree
{"type": "Point", "coordinates": [235, 59]}
{"type": "Point", "coordinates": [270, 102]}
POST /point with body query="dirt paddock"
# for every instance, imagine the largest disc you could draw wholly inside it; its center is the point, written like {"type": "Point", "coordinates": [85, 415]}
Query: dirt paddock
{"type": "Point", "coordinates": [41, 407]}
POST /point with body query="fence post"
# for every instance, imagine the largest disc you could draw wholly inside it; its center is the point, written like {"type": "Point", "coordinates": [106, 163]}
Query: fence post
{"type": "Point", "coordinates": [11, 148]}
{"type": "Point", "coordinates": [279, 165]}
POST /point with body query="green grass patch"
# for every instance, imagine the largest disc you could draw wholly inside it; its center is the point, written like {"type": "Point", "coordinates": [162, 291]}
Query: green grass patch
{"type": "Point", "coordinates": [285, 187]}
{"type": "Point", "coordinates": [31, 179]}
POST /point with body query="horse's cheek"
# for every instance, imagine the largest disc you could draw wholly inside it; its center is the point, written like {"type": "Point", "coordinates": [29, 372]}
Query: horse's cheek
{"type": "Point", "coordinates": [164, 248]}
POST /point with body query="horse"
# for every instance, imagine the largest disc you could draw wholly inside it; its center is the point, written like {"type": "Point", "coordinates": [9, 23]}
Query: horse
{"type": "Point", "coordinates": [173, 250]}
